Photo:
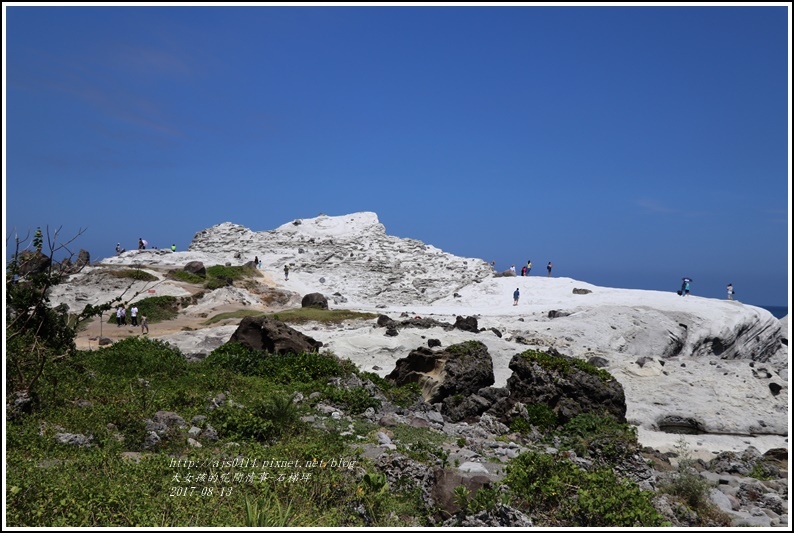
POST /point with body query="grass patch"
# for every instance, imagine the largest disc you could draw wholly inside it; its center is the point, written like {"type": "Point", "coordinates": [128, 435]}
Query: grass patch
{"type": "Point", "coordinates": [231, 272]}
{"type": "Point", "coordinates": [187, 277]}
{"type": "Point", "coordinates": [240, 313]}
{"type": "Point", "coordinates": [301, 315]}
{"type": "Point", "coordinates": [565, 365]}
{"type": "Point", "coordinates": [136, 274]}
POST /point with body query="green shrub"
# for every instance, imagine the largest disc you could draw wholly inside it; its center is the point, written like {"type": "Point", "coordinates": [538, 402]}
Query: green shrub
{"type": "Point", "coordinates": [355, 400]}
{"type": "Point", "coordinates": [541, 415]}
{"type": "Point", "coordinates": [135, 357]}
{"type": "Point", "coordinates": [687, 483]}
{"type": "Point", "coordinates": [231, 272]}
{"type": "Point", "coordinates": [558, 492]}
{"type": "Point", "coordinates": [599, 436]}
{"type": "Point", "coordinates": [217, 283]}
{"type": "Point", "coordinates": [187, 277]}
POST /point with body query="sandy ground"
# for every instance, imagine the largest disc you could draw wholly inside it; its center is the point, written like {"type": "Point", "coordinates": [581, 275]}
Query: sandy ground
{"type": "Point", "coordinates": [88, 338]}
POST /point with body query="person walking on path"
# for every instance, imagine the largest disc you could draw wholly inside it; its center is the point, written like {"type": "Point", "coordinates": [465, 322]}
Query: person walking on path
{"type": "Point", "coordinates": [144, 325]}
{"type": "Point", "coordinates": [730, 291]}
{"type": "Point", "coordinates": [548, 269]}
{"type": "Point", "coordinates": [118, 317]}
{"type": "Point", "coordinates": [286, 272]}
{"type": "Point", "coordinates": [516, 294]}
{"type": "Point", "coordinates": [134, 314]}
{"type": "Point", "coordinates": [529, 267]}
{"type": "Point", "coordinates": [123, 315]}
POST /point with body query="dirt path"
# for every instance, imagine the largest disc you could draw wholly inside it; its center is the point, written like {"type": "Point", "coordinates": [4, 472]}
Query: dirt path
{"type": "Point", "coordinates": [88, 338]}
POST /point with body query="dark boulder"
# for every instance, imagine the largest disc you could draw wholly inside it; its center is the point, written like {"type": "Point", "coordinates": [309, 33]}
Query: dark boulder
{"type": "Point", "coordinates": [466, 324]}
{"type": "Point", "coordinates": [386, 322]}
{"type": "Point", "coordinates": [32, 263]}
{"type": "Point", "coordinates": [316, 300]}
{"type": "Point", "coordinates": [460, 369]}
{"type": "Point", "coordinates": [196, 267]}
{"type": "Point", "coordinates": [272, 336]}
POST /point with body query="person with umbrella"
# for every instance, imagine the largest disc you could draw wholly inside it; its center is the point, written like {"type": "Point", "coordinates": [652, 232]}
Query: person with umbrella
{"type": "Point", "coordinates": [685, 286]}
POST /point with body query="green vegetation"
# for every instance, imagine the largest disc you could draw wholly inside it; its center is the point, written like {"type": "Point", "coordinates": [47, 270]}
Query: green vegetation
{"type": "Point", "coordinates": [231, 272]}
{"type": "Point", "coordinates": [52, 484]}
{"type": "Point", "coordinates": [155, 308]}
{"type": "Point", "coordinates": [599, 437]}
{"type": "Point", "coordinates": [257, 408]}
{"type": "Point", "coordinates": [187, 277]}
{"type": "Point", "coordinates": [302, 315]}
{"type": "Point", "coordinates": [565, 365]}
{"type": "Point", "coordinates": [691, 490]}
{"type": "Point", "coordinates": [561, 494]}
{"type": "Point", "coordinates": [134, 274]}
{"type": "Point", "coordinates": [240, 313]}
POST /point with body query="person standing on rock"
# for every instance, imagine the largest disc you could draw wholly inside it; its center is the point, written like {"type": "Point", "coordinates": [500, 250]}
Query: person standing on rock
{"type": "Point", "coordinates": [730, 291]}
{"type": "Point", "coordinates": [516, 294]}
{"type": "Point", "coordinates": [513, 269]}
{"type": "Point", "coordinates": [173, 247]}
{"type": "Point", "coordinates": [286, 272]}
{"type": "Point", "coordinates": [548, 269]}
{"type": "Point", "coordinates": [529, 267]}
{"type": "Point", "coordinates": [256, 261]}
{"type": "Point", "coordinates": [134, 314]}
{"type": "Point", "coordinates": [140, 244]}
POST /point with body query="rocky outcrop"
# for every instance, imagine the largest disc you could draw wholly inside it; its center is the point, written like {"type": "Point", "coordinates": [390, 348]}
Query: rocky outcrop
{"type": "Point", "coordinates": [316, 300]}
{"type": "Point", "coordinates": [568, 386]}
{"type": "Point", "coordinates": [195, 267]}
{"type": "Point", "coordinates": [32, 263]}
{"type": "Point", "coordinates": [460, 369]}
{"type": "Point", "coordinates": [399, 271]}
{"type": "Point", "coordinates": [272, 336]}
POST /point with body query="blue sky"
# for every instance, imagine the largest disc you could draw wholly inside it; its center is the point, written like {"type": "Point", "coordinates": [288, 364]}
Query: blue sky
{"type": "Point", "coordinates": [630, 146]}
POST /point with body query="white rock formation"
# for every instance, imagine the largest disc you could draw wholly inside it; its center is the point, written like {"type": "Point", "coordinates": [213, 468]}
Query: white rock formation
{"type": "Point", "coordinates": [719, 365]}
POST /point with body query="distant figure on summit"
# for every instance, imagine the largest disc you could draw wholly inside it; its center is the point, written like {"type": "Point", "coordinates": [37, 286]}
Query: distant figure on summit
{"type": "Point", "coordinates": [529, 267]}
{"type": "Point", "coordinates": [515, 297]}
{"type": "Point", "coordinates": [548, 268]}
{"type": "Point", "coordinates": [513, 269]}
{"type": "Point", "coordinates": [730, 291]}
{"type": "Point", "coordinates": [118, 248]}
{"type": "Point", "coordinates": [141, 246]}
{"type": "Point", "coordinates": [173, 247]}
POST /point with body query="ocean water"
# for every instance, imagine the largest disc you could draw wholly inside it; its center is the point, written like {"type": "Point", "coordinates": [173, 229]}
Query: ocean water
{"type": "Point", "coordinates": [777, 312]}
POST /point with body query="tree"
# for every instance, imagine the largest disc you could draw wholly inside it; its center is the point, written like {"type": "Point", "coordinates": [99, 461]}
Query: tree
{"type": "Point", "coordinates": [38, 240]}
{"type": "Point", "coordinates": [38, 335]}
